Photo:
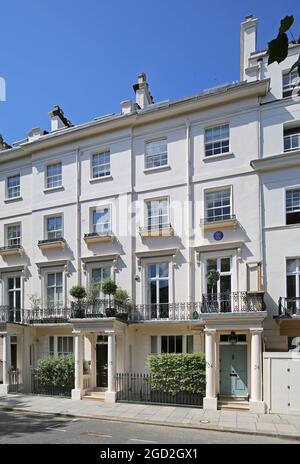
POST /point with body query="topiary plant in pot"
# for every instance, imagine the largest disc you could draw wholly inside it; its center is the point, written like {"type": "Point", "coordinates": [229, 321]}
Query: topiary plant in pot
{"type": "Point", "coordinates": [109, 287]}
{"type": "Point", "coordinates": [122, 297]}
{"type": "Point", "coordinates": [79, 293]}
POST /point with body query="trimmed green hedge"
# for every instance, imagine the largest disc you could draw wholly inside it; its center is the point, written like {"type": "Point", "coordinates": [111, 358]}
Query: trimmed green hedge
{"type": "Point", "coordinates": [56, 371]}
{"type": "Point", "coordinates": [174, 373]}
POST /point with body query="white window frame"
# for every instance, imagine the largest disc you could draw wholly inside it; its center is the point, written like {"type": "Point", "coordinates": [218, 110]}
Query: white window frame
{"type": "Point", "coordinates": [216, 190]}
{"type": "Point", "coordinates": [47, 237]}
{"type": "Point", "coordinates": [13, 290]}
{"type": "Point", "coordinates": [19, 239]}
{"type": "Point", "coordinates": [52, 177]}
{"type": "Point", "coordinates": [97, 209]}
{"type": "Point", "coordinates": [162, 157]}
{"type": "Point", "coordinates": [296, 274]}
{"type": "Point", "coordinates": [290, 212]}
{"type": "Point", "coordinates": [288, 88]}
{"type": "Point", "coordinates": [55, 351]}
{"type": "Point", "coordinates": [159, 342]}
{"type": "Point", "coordinates": [46, 274]}
{"type": "Point", "coordinates": [222, 273]}
{"type": "Point", "coordinates": [107, 172]}
{"type": "Point", "coordinates": [100, 265]}
{"type": "Point", "coordinates": [216, 141]}
{"type": "Point", "coordinates": [291, 138]}
{"type": "Point", "coordinates": [157, 279]}
{"type": "Point", "coordinates": [18, 187]}
{"type": "Point", "coordinates": [233, 254]}
{"type": "Point", "coordinates": [146, 221]}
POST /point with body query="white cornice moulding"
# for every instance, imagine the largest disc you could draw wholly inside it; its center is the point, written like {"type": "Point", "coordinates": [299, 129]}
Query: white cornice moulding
{"type": "Point", "coordinates": [284, 160]}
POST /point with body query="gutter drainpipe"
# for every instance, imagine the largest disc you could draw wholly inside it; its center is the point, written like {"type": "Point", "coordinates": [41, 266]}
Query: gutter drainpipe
{"type": "Point", "coordinates": [189, 210]}
{"type": "Point", "coordinates": [78, 208]}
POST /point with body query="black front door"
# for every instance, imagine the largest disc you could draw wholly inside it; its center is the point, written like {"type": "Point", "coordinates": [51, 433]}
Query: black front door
{"type": "Point", "coordinates": [101, 362]}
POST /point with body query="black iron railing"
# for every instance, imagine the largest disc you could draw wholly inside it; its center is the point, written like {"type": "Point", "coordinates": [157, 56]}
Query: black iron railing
{"type": "Point", "coordinates": [11, 248]}
{"type": "Point", "coordinates": [289, 306]}
{"type": "Point", "coordinates": [107, 233]}
{"type": "Point", "coordinates": [14, 380]}
{"type": "Point", "coordinates": [39, 387]}
{"type": "Point", "coordinates": [227, 302]}
{"type": "Point", "coordinates": [140, 388]}
{"type": "Point", "coordinates": [168, 311]}
{"type": "Point", "coordinates": [100, 308]}
{"type": "Point", "coordinates": [51, 240]}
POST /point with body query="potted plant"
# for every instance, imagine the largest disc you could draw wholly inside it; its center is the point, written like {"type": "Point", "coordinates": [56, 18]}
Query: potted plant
{"type": "Point", "coordinates": [79, 293]}
{"type": "Point", "coordinates": [109, 287]}
{"type": "Point", "coordinates": [122, 297]}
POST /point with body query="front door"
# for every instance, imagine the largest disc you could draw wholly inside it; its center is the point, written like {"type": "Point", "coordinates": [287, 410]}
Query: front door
{"type": "Point", "coordinates": [233, 370]}
{"type": "Point", "coordinates": [101, 361]}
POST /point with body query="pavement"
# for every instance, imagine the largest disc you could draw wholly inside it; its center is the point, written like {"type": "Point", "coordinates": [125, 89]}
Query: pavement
{"type": "Point", "coordinates": [243, 422]}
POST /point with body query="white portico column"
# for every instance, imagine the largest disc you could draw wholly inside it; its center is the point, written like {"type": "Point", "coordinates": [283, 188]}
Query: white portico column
{"type": "Point", "coordinates": [5, 359]}
{"type": "Point", "coordinates": [256, 404]}
{"type": "Point", "coordinates": [110, 394]}
{"type": "Point", "coordinates": [210, 401]}
{"type": "Point", "coordinates": [76, 392]}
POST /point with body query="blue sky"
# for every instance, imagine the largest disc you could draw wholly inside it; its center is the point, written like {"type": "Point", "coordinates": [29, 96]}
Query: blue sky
{"type": "Point", "coordinates": [85, 55]}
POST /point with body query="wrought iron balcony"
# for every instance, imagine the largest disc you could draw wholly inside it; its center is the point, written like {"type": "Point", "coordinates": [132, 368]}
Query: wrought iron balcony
{"type": "Point", "coordinates": [50, 315]}
{"type": "Point", "coordinates": [289, 306]}
{"type": "Point", "coordinates": [216, 303]}
{"type": "Point", "coordinates": [58, 242]}
{"type": "Point", "coordinates": [166, 311]}
{"type": "Point", "coordinates": [233, 302]}
{"type": "Point", "coordinates": [224, 221]}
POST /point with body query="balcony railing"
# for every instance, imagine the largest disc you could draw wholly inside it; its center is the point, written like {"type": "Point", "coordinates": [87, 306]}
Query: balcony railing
{"type": "Point", "coordinates": [216, 303]}
{"type": "Point", "coordinates": [229, 302]}
{"type": "Point", "coordinates": [289, 306]}
{"type": "Point", "coordinates": [101, 308]}
{"type": "Point", "coordinates": [166, 311]}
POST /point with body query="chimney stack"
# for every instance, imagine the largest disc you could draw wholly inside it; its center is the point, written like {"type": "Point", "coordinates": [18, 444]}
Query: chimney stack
{"type": "Point", "coordinates": [58, 119]}
{"type": "Point", "coordinates": [143, 96]}
{"type": "Point", "coordinates": [35, 134]}
{"type": "Point", "coordinates": [248, 43]}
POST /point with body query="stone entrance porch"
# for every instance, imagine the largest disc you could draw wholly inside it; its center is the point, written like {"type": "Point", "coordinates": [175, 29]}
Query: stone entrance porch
{"type": "Point", "coordinates": [85, 333]}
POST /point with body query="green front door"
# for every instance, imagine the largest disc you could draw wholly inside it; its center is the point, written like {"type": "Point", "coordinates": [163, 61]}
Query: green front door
{"type": "Point", "coordinates": [233, 370]}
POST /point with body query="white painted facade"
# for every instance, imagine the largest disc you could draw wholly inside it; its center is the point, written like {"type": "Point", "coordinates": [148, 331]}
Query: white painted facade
{"type": "Point", "coordinates": [254, 245]}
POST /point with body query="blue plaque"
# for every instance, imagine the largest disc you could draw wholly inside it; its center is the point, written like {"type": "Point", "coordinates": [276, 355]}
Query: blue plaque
{"type": "Point", "coordinates": [218, 235]}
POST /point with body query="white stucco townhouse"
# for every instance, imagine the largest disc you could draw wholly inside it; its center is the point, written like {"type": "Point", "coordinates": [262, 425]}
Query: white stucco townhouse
{"type": "Point", "coordinates": [155, 197]}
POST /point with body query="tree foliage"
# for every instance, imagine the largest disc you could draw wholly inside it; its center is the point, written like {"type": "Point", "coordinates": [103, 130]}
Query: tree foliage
{"type": "Point", "coordinates": [278, 47]}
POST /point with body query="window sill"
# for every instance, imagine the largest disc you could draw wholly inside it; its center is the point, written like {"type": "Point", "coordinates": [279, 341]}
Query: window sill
{"type": "Point", "coordinates": [11, 200]}
{"type": "Point", "coordinates": [165, 167]}
{"type": "Point", "coordinates": [218, 157]}
{"type": "Point", "coordinates": [54, 189]}
{"type": "Point", "coordinates": [100, 179]}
